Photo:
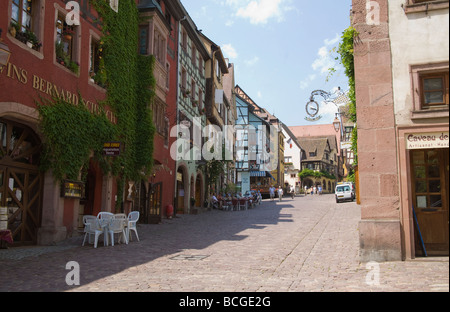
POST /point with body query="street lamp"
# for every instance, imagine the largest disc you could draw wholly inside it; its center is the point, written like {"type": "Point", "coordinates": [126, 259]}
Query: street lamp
{"type": "Point", "coordinates": [5, 53]}
{"type": "Point", "coordinates": [337, 123]}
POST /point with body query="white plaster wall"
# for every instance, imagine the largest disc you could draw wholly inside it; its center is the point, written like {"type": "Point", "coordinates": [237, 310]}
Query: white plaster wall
{"type": "Point", "coordinates": [418, 38]}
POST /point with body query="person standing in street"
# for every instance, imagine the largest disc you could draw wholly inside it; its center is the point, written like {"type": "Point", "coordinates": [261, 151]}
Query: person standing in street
{"type": "Point", "coordinates": [280, 193]}
{"type": "Point", "coordinates": [272, 192]}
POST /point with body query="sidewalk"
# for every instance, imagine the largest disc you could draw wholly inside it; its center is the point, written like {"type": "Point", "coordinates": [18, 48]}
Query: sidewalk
{"type": "Point", "coordinates": [309, 244]}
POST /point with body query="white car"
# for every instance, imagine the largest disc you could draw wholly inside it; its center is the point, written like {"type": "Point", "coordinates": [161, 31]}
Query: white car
{"type": "Point", "coordinates": [344, 192]}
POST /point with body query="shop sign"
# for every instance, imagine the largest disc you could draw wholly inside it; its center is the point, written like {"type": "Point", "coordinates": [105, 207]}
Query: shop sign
{"type": "Point", "coordinates": [112, 149]}
{"type": "Point", "coordinates": [72, 189]}
{"type": "Point", "coordinates": [427, 140]}
{"type": "Point", "coordinates": [47, 87]}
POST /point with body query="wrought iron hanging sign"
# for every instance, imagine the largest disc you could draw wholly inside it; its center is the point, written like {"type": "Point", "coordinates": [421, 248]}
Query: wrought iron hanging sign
{"type": "Point", "coordinates": [313, 107]}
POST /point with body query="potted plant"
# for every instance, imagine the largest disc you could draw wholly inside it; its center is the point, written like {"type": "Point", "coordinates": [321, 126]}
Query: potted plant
{"type": "Point", "coordinates": [73, 66]}
{"type": "Point", "coordinates": [31, 40]}
{"type": "Point", "coordinates": [61, 57]}
{"type": "Point", "coordinates": [192, 202]}
{"type": "Point", "coordinates": [68, 33]}
{"type": "Point", "coordinates": [14, 28]}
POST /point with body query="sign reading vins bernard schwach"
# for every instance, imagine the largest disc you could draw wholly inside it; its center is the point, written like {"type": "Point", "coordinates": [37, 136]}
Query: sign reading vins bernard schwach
{"type": "Point", "coordinates": [112, 149]}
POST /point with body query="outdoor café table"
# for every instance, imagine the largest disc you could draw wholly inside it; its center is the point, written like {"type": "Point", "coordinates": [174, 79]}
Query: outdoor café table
{"type": "Point", "coordinates": [5, 237]}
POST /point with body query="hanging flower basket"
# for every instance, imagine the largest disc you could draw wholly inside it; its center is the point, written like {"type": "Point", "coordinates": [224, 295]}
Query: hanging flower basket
{"type": "Point", "coordinates": [68, 34]}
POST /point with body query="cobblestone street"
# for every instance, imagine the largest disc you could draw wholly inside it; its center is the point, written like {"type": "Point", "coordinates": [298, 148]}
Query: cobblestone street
{"type": "Point", "coordinates": [309, 244]}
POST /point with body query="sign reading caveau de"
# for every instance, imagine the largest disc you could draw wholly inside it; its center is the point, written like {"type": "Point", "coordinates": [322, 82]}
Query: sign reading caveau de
{"type": "Point", "coordinates": [47, 87]}
{"type": "Point", "coordinates": [427, 140]}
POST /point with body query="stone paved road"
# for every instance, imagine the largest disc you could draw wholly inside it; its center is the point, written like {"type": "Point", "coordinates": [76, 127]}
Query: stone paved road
{"type": "Point", "coordinates": [309, 244]}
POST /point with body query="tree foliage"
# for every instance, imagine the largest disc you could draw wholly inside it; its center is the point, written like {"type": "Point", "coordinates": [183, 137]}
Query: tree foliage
{"type": "Point", "coordinates": [346, 57]}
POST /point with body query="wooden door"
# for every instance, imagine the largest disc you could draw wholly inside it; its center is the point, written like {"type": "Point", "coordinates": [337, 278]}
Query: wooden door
{"type": "Point", "coordinates": [20, 192]}
{"type": "Point", "coordinates": [430, 198]}
{"type": "Point", "coordinates": [20, 180]}
{"type": "Point", "coordinates": [155, 202]}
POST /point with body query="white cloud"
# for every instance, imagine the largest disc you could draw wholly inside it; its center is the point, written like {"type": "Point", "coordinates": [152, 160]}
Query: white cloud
{"type": "Point", "coordinates": [325, 59]}
{"type": "Point", "coordinates": [260, 11]}
{"type": "Point", "coordinates": [229, 51]}
{"type": "Point", "coordinates": [304, 84]}
{"type": "Point", "coordinates": [252, 61]}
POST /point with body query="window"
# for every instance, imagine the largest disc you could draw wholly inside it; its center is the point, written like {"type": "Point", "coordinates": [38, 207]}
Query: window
{"type": "Point", "coordinates": [159, 117]}
{"type": "Point", "coordinates": [183, 80]}
{"type": "Point", "coordinates": [143, 40]}
{"type": "Point", "coordinates": [184, 40]}
{"type": "Point", "coordinates": [97, 72]}
{"type": "Point", "coordinates": [348, 134]}
{"type": "Point", "coordinates": [218, 73]}
{"type": "Point", "coordinates": [194, 56]}
{"type": "Point", "coordinates": [200, 99]}
{"type": "Point", "coordinates": [434, 90]}
{"type": "Point", "coordinates": [24, 17]}
{"type": "Point", "coordinates": [22, 13]}
{"type": "Point", "coordinates": [193, 91]}
{"type": "Point", "coordinates": [429, 90]}
{"type": "Point", "coordinates": [159, 47]}
{"type": "Point", "coordinates": [200, 63]}
{"type": "Point", "coordinates": [65, 46]}
{"type": "Point", "coordinates": [414, 6]}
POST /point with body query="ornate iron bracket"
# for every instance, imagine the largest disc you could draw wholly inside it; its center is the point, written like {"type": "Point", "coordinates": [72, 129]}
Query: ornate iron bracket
{"type": "Point", "coordinates": [313, 107]}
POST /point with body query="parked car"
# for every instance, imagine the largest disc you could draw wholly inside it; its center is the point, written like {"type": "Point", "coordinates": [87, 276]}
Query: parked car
{"type": "Point", "coordinates": [344, 192]}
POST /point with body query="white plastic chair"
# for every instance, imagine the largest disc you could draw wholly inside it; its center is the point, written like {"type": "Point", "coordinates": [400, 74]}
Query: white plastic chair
{"type": "Point", "coordinates": [117, 226]}
{"type": "Point", "coordinates": [92, 227]}
{"type": "Point", "coordinates": [104, 218]}
{"type": "Point", "coordinates": [105, 215]}
{"type": "Point", "coordinates": [120, 216]}
{"type": "Point", "coordinates": [133, 218]}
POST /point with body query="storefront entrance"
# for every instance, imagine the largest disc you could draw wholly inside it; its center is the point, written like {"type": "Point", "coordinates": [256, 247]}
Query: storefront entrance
{"type": "Point", "coordinates": [430, 188]}
{"type": "Point", "coordinates": [20, 181]}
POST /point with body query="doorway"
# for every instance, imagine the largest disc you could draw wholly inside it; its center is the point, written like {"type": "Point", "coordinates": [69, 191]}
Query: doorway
{"type": "Point", "coordinates": [20, 181]}
{"type": "Point", "coordinates": [430, 183]}
{"type": "Point", "coordinates": [198, 191]}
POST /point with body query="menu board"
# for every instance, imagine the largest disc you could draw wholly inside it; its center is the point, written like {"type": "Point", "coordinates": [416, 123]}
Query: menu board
{"type": "Point", "coordinates": [72, 189]}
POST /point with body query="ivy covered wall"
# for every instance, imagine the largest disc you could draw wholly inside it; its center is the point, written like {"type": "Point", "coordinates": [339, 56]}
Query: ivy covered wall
{"type": "Point", "coordinates": [71, 132]}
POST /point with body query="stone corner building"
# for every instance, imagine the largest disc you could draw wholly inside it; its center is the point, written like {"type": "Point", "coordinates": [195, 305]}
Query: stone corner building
{"type": "Point", "coordinates": [401, 71]}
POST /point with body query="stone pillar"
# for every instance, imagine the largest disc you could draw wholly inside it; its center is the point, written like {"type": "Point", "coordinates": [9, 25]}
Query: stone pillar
{"type": "Point", "coordinates": [52, 229]}
{"type": "Point", "coordinates": [380, 235]}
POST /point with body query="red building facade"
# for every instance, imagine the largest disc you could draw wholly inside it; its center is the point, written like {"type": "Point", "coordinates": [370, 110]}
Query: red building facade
{"type": "Point", "coordinates": [158, 36]}
{"type": "Point", "coordinates": [49, 58]}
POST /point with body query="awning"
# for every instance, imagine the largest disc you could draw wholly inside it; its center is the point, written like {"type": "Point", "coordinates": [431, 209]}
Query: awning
{"type": "Point", "coordinates": [261, 174]}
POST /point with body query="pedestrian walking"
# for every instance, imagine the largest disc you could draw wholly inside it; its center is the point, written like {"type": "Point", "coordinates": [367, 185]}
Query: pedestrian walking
{"type": "Point", "coordinates": [280, 193]}
{"type": "Point", "coordinates": [272, 192]}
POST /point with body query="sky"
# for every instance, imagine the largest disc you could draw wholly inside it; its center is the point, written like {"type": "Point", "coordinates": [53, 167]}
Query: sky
{"type": "Point", "coordinates": [281, 49]}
